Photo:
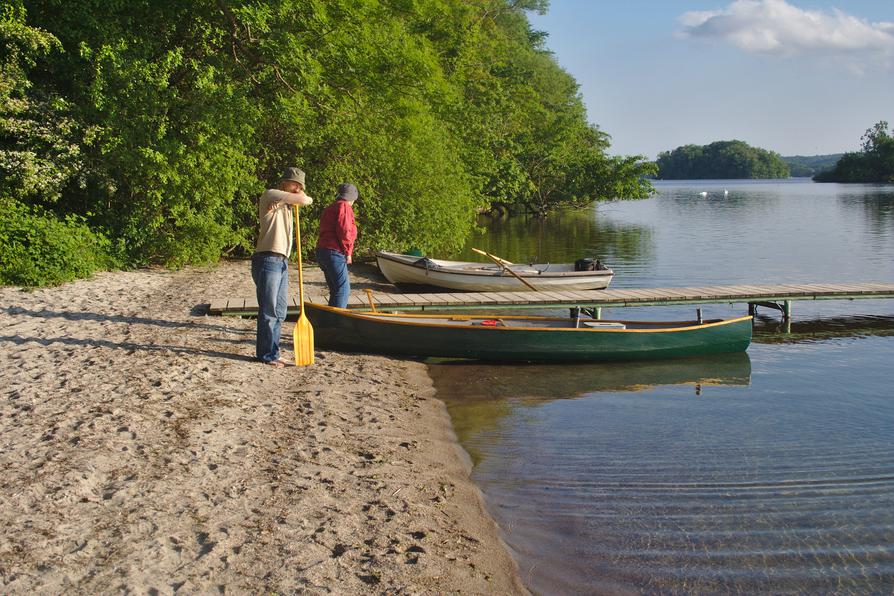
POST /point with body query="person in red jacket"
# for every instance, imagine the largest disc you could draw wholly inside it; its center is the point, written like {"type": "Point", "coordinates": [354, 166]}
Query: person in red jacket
{"type": "Point", "coordinates": [338, 231]}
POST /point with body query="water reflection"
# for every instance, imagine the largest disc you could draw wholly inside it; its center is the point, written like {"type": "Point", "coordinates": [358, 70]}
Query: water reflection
{"type": "Point", "coordinates": [707, 478]}
{"type": "Point", "coordinates": [480, 395]}
{"type": "Point", "coordinates": [877, 208]}
{"type": "Point", "coordinates": [467, 382]}
{"type": "Point", "coordinates": [684, 202]}
{"type": "Point", "coordinates": [772, 474]}
{"type": "Point", "coordinates": [771, 330]}
{"type": "Point", "coordinates": [564, 237]}
{"type": "Point", "coordinates": [760, 232]}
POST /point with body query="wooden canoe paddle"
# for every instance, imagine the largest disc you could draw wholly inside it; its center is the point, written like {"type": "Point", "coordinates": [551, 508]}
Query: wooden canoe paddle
{"type": "Point", "coordinates": [303, 335]}
{"type": "Point", "coordinates": [505, 267]}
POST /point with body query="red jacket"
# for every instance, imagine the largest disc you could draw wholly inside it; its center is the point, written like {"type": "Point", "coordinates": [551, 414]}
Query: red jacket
{"type": "Point", "coordinates": [338, 230]}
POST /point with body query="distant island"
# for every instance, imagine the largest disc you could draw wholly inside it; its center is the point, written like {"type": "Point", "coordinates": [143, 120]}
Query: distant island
{"type": "Point", "coordinates": [873, 164]}
{"type": "Point", "coordinates": [720, 160]}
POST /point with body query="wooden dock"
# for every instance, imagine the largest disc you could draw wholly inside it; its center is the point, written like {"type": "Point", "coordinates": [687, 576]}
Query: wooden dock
{"type": "Point", "coordinates": [779, 297]}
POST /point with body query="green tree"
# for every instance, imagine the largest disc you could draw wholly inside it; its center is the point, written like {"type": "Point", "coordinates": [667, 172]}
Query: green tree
{"type": "Point", "coordinates": [39, 155]}
{"type": "Point", "coordinates": [159, 122]}
{"type": "Point", "coordinates": [528, 140]}
{"type": "Point", "coordinates": [875, 163]}
{"type": "Point", "coordinates": [39, 151]}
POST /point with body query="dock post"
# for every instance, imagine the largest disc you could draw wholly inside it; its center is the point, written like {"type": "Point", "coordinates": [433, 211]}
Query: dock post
{"type": "Point", "coordinates": [787, 310]}
{"type": "Point", "coordinates": [597, 310]}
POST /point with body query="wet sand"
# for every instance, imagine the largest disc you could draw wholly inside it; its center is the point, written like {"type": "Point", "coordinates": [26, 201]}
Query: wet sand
{"type": "Point", "coordinates": [142, 449]}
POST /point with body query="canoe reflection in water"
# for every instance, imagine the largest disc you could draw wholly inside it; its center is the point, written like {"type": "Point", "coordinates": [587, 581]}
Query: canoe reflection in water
{"type": "Point", "coordinates": [479, 396]}
{"type": "Point", "coordinates": [466, 382]}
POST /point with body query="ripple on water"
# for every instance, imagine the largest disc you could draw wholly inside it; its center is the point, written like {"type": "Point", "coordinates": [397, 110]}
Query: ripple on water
{"type": "Point", "coordinates": [654, 487]}
{"type": "Point", "coordinates": [812, 534]}
{"type": "Point", "coordinates": [769, 475]}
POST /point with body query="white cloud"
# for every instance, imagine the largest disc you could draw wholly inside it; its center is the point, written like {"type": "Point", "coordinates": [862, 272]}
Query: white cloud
{"type": "Point", "coordinates": [777, 27]}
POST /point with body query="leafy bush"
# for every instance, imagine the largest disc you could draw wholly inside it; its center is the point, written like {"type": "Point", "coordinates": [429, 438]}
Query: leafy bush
{"type": "Point", "coordinates": [38, 249]}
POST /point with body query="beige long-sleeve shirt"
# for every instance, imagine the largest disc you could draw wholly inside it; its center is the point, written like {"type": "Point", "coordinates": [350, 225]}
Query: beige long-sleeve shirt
{"type": "Point", "coordinates": [276, 229]}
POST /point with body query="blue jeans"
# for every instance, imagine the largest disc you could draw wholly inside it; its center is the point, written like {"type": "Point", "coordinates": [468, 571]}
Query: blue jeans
{"type": "Point", "coordinates": [270, 273]}
{"type": "Point", "coordinates": [335, 267]}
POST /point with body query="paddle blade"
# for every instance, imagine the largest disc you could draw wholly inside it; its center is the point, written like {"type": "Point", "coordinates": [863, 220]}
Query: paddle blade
{"type": "Point", "coordinates": [303, 337]}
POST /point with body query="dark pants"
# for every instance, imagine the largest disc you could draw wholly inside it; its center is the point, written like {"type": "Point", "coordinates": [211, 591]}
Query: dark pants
{"type": "Point", "coordinates": [335, 267]}
{"type": "Point", "coordinates": [270, 272]}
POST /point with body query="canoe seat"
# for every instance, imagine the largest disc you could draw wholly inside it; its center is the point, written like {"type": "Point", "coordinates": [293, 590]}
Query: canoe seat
{"type": "Point", "coordinates": [604, 325]}
{"type": "Point", "coordinates": [493, 323]}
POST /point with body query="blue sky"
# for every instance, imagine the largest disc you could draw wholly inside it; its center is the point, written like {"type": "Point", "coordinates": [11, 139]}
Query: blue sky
{"type": "Point", "coordinates": [800, 77]}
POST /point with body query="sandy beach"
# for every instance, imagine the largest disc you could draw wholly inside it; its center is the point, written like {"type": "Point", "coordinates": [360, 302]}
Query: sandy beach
{"type": "Point", "coordinates": [143, 450]}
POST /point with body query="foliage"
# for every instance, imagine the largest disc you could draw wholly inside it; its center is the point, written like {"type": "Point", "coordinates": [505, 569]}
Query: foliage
{"type": "Point", "coordinates": [802, 166]}
{"type": "Point", "coordinates": [875, 163]}
{"type": "Point", "coordinates": [37, 249]}
{"type": "Point", "coordinates": [159, 122]}
{"type": "Point", "coordinates": [38, 139]}
{"type": "Point", "coordinates": [524, 124]}
{"type": "Point", "coordinates": [720, 160]}
{"type": "Point", "coordinates": [21, 46]}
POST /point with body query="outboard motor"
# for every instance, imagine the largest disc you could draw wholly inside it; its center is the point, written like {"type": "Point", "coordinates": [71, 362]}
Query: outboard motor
{"type": "Point", "coordinates": [589, 265]}
{"type": "Point", "coordinates": [585, 264]}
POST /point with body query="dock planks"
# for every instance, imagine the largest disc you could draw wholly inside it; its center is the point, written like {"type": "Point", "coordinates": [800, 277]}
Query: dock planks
{"type": "Point", "coordinates": [602, 298]}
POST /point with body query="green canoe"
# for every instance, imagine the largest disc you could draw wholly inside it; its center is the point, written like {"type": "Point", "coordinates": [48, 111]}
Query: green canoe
{"type": "Point", "coordinates": [522, 339]}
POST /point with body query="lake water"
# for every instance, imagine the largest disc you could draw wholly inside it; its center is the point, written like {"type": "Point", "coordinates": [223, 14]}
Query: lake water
{"type": "Point", "coordinates": [765, 472]}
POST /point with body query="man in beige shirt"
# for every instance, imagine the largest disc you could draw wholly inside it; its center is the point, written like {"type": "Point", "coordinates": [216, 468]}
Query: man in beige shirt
{"type": "Point", "coordinates": [270, 262]}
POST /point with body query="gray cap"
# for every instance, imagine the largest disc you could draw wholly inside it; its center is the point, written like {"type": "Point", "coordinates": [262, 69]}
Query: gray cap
{"type": "Point", "coordinates": [347, 192]}
{"type": "Point", "coordinates": [293, 174]}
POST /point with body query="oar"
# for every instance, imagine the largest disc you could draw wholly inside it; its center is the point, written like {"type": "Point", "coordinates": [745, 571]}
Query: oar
{"type": "Point", "coordinates": [303, 335]}
{"type": "Point", "coordinates": [505, 267]}
{"type": "Point", "coordinates": [502, 261]}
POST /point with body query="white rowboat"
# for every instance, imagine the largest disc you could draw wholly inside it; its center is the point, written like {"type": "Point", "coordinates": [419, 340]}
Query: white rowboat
{"type": "Point", "coordinates": [488, 277]}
